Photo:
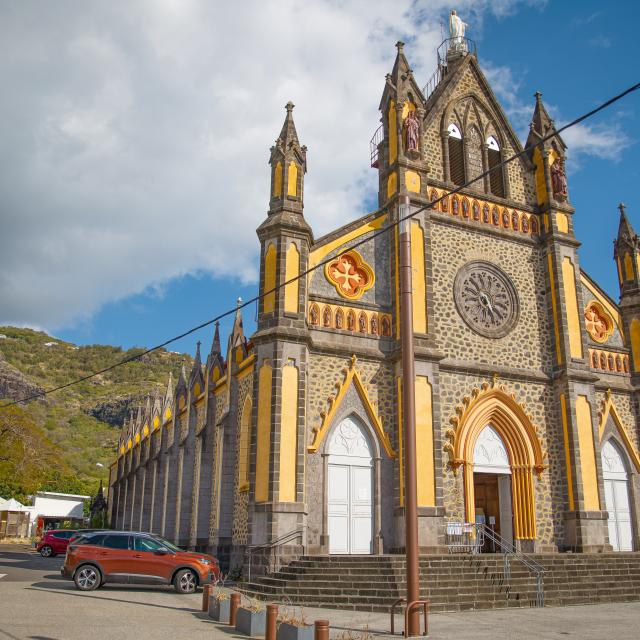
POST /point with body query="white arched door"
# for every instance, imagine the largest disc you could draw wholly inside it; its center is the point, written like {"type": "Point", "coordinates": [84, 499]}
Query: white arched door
{"type": "Point", "coordinates": [616, 495]}
{"type": "Point", "coordinates": [350, 490]}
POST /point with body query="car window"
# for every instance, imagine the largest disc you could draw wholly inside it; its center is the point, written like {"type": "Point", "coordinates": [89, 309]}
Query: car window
{"type": "Point", "coordinates": [116, 542]}
{"type": "Point", "coordinates": [63, 535]}
{"type": "Point", "coordinates": [146, 544]}
{"type": "Point", "coordinates": [91, 538]}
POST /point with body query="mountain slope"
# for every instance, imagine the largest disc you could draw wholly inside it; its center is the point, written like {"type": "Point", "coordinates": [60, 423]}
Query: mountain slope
{"type": "Point", "coordinates": [78, 426]}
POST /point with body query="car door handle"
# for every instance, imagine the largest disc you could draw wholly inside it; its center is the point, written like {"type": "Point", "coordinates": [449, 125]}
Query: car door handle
{"type": "Point", "coordinates": [137, 555]}
{"type": "Point", "coordinates": [104, 553]}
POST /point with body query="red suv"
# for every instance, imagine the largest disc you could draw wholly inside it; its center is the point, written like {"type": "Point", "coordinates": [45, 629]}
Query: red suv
{"type": "Point", "coordinates": [135, 558]}
{"type": "Point", "coordinates": [54, 541]}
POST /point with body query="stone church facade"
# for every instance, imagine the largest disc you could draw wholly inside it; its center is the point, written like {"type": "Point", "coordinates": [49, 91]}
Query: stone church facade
{"type": "Point", "coordinates": [526, 371]}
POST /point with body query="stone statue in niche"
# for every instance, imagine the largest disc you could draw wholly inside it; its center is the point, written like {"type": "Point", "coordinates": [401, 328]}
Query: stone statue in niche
{"type": "Point", "coordinates": [314, 315]}
{"type": "Point", "coordinates": [412, 134]}
{"type": "Point", "coordinates": [362, 323]}
{"type": "Point", "coordinates": [558, 180]}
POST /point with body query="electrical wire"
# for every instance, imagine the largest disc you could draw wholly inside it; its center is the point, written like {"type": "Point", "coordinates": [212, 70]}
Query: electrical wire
{"type": "Point", "coordinates": [355, 245]}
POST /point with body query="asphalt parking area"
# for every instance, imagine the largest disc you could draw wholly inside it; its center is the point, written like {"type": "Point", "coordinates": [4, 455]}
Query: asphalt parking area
{"type": "Point", "coordinates": [37, 603]}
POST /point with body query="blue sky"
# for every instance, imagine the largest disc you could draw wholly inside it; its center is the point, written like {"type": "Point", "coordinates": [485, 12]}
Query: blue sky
{"type": "Point", "coordinates": [186, 253]}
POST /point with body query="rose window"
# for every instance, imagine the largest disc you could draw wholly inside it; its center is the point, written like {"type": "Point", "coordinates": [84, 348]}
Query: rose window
{"type": "Point", "coordinates": [598, 322]}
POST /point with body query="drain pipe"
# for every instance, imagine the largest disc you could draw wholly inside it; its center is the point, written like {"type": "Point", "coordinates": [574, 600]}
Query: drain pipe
{"type": "Point", "coordinates": [409, 420]}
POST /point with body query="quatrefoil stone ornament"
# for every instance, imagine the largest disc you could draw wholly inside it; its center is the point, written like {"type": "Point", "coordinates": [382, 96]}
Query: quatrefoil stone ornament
{"type": "Point", "coordinates": [350, 275]}
{"type": "Point", "coordinates": [486, 299]}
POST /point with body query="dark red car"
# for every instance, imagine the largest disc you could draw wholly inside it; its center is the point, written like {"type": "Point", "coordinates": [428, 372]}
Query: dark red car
{"type": "Point", "coordinates": [54, 541]}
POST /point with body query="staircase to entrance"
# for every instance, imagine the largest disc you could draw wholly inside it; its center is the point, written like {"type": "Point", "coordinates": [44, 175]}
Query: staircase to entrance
{"type": "Point", "coordinates": [450, 582]}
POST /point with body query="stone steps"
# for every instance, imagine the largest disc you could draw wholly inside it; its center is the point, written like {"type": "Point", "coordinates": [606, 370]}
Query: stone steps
{"type": "Point", "coordinates": [450, 582]}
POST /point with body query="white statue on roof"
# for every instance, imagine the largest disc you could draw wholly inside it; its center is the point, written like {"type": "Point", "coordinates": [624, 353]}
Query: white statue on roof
{"type": "Point", "coordinates": [456, 31]}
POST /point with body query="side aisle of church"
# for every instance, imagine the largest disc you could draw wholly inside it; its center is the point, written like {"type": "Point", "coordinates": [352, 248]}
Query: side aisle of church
{"type": "Point", "coordinates": [526, 371]}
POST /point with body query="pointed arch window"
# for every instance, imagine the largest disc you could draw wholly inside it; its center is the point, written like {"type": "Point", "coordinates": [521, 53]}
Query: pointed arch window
{"type": "Point", "coordinates": [496, 177]}
{"type": "Point", "coordinates": [456, 155]}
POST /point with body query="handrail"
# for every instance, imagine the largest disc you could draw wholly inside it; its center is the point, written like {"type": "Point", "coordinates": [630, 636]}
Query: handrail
{"type": "Point", "coordinates": [508, 549]}
{"type": "Point", "coordinates": [278, 542]}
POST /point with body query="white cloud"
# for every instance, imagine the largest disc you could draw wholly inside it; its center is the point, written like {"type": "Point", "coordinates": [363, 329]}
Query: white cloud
{"type": "Point", "coordinates": [135, 136]}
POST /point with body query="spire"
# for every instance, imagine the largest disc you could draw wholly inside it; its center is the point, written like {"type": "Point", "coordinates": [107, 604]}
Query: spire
{"type": "Point", "coordinates": [288, 162]}
{"type": "Point", "coordinates": [215, 345]}
{"type": "Point", "coordinates": [401, 64]}
{"type": "Point", "coordinates": [237, 335]}
{"type": "Point", "coordinates": [625, 230]}
{"type": "Point", "coordinates": [542, 125]}
{"type": "Point", "coordinates": [288, 134]}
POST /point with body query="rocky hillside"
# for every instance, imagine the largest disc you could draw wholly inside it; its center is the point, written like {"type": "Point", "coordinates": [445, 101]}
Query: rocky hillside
{"type": "Point", "coordinates": [80, 424]}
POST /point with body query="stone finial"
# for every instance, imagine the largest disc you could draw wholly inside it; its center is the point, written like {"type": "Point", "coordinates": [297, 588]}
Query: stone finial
{"type": "Point", "coordinates": [289, 106]}
{"type": "Point", "coordinates": [399, 46]}
{"type": "Point", "coordinates": [623, 208]}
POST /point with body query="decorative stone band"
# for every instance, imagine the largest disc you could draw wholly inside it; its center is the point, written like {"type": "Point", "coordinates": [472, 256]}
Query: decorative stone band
{"type": "Point", "coordinates": [349, 319]}
{"type": "Point", "coordinates": [486, 212]}
{"type": "Point", "coordinates": [609, 361]}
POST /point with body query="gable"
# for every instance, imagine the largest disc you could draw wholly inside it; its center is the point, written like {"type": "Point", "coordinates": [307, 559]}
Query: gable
{"type": "Point", "coordinates": [466, 99]}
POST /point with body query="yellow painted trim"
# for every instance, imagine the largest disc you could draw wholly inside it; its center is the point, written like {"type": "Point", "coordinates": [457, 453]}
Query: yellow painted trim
{"type": "Point", "coordinates": [269, 303]}
{"type": "Point", "coordinates": [263, 439]}
{"type": "Point", "coordinates": [220, 385]}
{"type": "Point", "coordinates": [292, 179]}
{"type": "Point", "coordinates": [587, 455]}
{"type": "Point", "coordinates": [156, 422]}
{"type": "Point", "coordinates": [634, 330]}
{"type": "Point", "coordinates": [619, 264]}
{"type": "Point", "coordinates": [168, 414]}
{"type": "Point", "coordinates": [571, 306]}
{"type": "Point", "coordinates": [350, 375]}
{"type": "Point", "coordinates": [244, 446]}
{"type": "Point", "coordinates": [541, 186]}
{"type": "Point", "coordinates": [397, 280]}
{"type": "Point", "coordinates": [145, 431]}
{"type": "Point", "coordinates": [400, 441]}
{"type": "Point", "coordinates": [419, 287]}
{"type": "Point", "coordinates": [412, 181]}
{"type": "Point", "coordinates": [628, 267]}
{"type": "Point", "coordinates": [129, 443]}
{"type": "Point", "coordinates": [318, 255]}
{"type": "Point", "coordinates": [609, 409]}
{"type": "Point", "coordinates": [567, 451]}
{"type": "Point", "coordinates": [197, 390]}
{"type": "Point", "coordinates": [492, 405]}
{"type": "Point", "coordinates": [554, 307]}
{"type": "Point", "coordinates": [182, 402]}
{"type": "Point", "coordinates": [562, 222]}
{"type": "Point", "coordinates": [216, 373]}
{"type": "Point", "coordinates": [289, 434]}
{"type": "Point", "coordinates": [292, 270]}
{"type": "Point", "coordinates": [424, 443]}
{"type": "Point", "coordinates": [613, 311]}
{"type": "Point", "coordinates": [246, 370]}
{"type": "Point", "coordinates": [277, 180]}
{"type": "Point", "coordinates": [393, 132]}
{"type": "Point", "coordinates": [392, 184]}
{"type": "Point", "coordinates": [360, 264]}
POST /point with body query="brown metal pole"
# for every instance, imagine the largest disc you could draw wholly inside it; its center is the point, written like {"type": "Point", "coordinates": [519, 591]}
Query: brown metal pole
{"type": "Point", "coordinates": [409, 422]}
{"type": "Point", "coordinates": [321, 630]}
{"type": "Point", "coordinates": [272, 622]}
{"type": "Point", "coordinates": [206, 593]}
{"type": "Point", "coordinates": [233, 609]}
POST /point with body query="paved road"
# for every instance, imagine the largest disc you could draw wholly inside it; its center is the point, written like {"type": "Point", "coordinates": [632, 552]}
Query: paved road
{"type": "Point", "coordinates": [37, 604]}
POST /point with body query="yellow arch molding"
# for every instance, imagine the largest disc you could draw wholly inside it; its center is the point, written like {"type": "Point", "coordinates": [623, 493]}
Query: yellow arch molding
{"type": "Point", "coordinates": [492, 405]}
{"type": "Point", "coordinates": [609, 409]}
{"type": "Point", "coordinates": [350, 375]}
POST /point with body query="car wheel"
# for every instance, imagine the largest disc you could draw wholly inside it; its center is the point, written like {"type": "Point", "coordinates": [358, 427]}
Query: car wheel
{"type": "Point", "coordinates": [185, 581]}
{"type": "Point", "coordinates": [87, 578]}
{"type": "Point", "coordinates": [47, 552]}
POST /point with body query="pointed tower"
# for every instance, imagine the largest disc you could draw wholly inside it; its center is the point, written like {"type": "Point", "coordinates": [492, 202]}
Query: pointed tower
{"type": "Point", "coordinates": [280, 345]}
{"type": "Point", "coordinates": [549, 158]}
{"type": "Point", "coordinates": [285, 235]}
{"type": "Point", "coordinates": [626, 252]}
{"type": "Point", "coordinates": [196, 380]}
{"type": "Point", "coordinates": [399, 156]}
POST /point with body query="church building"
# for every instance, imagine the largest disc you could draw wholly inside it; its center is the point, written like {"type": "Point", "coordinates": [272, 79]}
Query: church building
{"type": "Point", "coordinates": [526, 371]}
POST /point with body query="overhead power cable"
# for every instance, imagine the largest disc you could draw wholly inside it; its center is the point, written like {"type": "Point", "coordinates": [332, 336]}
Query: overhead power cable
{"type": "Point", "coordinates": [355, 245]}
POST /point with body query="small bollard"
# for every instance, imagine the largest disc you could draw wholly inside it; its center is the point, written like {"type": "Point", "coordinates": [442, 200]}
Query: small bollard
{"type": "Point", "coordinates": [272, 622]}
{"type": "Point", "coordinates": [206, 594]}
{"type": "Point", "coordinates": [321, 630]}
{"type": "Point", "coordinates": [233, 610]}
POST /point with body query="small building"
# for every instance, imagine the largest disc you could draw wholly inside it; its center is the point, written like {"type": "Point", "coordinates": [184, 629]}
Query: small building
{"type": "Point", "coordinates": [51, 510]}
{"type": "Point", "coordinates": [14, 519]}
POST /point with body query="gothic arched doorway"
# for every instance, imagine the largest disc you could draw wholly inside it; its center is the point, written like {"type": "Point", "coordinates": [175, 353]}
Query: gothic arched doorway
{"type": "Point", "coordinates": [350, 489]}
{"type": "Point", "coordinates": [616, 492]}
{"type": "Point", "coordinates": [492, 483]}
